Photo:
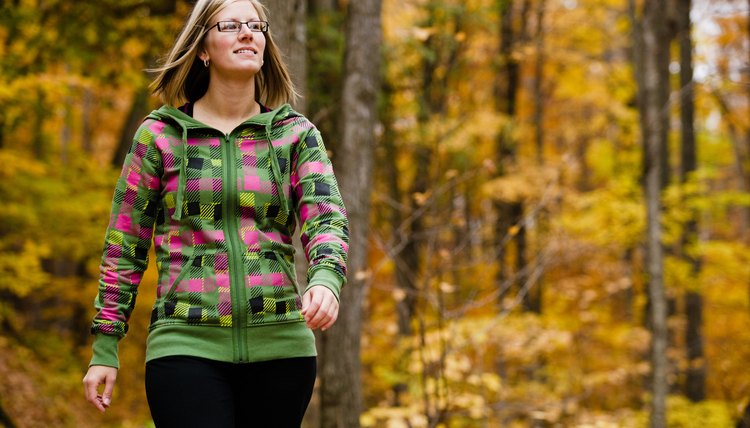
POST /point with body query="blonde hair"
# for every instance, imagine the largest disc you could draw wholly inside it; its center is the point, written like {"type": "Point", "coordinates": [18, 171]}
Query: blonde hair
{"type": "Point", "coordinates": [183, 77]}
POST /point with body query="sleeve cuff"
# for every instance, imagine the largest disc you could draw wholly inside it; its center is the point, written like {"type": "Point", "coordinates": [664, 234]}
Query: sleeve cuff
{"type": "Point", "coordinates": [105, 351]}
{"type": "Point", "coordinates": [328, 279]}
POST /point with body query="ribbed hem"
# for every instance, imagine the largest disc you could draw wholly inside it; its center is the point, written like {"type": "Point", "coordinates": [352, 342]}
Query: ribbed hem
{"type": "Point", "coordinates": [265, 342]}
{"type": "Point", "coordinates": [105, 351]}
{"type": "Point", "coordinates": [328, 279]}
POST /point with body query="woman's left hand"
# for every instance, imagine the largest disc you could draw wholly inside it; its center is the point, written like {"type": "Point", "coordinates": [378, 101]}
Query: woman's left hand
{"type": "Point", "coordinates": [319, 307]}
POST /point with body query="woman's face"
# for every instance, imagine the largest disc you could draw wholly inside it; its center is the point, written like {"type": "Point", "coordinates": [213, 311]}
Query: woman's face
{"type": "Point", "coordinates": [231, 54]}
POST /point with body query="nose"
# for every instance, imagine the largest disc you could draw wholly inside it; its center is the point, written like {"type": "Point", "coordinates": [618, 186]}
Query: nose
{"type": "Point", "coordinates": [245, 32]}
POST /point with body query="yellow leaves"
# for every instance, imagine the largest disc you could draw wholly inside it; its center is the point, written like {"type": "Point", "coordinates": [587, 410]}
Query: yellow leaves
{"type": "Point", "coordinates": [524, 183]}
{"type": "Point", "coordinates": [420, 198]}
{"type": "Point", "coordinates": [509, 188]}
{"type": "Point", "coordinates": [394, 417]}
{"type": "Point", "coordinates": [422, 34]}
{"type": "Point", "coordinates": [708, 413]}
{"type": "Point", "coordinates": [134, 48]}
{"type": "Point", "coordinates": [725, 264]}
{"type": "Point", "coordinates": [607, 216]}
{"type": "Point", "coordinates": [14, 163]}
{"type": "Point", "coordinates": [21, 271]}
{"type": "Point", "coordinates": [90, 34]}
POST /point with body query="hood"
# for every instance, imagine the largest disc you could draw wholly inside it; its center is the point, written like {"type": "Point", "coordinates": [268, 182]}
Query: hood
{"type": "Point", "coordinates": [184, 122]}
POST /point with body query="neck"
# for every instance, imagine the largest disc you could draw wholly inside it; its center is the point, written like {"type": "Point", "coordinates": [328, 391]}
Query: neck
{"type": "Point", "coordinates": [229, 100]}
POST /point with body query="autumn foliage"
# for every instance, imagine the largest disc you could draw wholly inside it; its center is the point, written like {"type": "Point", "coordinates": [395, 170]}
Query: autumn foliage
{"type": "Point", "coordinates": [507, 269]}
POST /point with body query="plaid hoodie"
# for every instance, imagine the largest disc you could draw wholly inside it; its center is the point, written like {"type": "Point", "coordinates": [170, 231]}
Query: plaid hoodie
{"type": "Point", "coordinates": [222, 210]}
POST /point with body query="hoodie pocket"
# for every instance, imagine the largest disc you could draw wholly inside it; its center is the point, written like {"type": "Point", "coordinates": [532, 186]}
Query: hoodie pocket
{"type": "Point", "coordinates": [184, 270]}
{"type": "Point", "coordinates": [193, 297]}
{"type": "Point", "coordinates": [273, 294]}
{"type": "Point", "coordinates": [287, 267]}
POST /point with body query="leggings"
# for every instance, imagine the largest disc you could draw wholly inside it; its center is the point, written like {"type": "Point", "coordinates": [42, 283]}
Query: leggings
{"type": "Point", "coordinates": [188, 392]}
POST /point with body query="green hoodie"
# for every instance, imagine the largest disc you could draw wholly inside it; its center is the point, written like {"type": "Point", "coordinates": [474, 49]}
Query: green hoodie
{"type": "Point", "coordinates": [221, 209]}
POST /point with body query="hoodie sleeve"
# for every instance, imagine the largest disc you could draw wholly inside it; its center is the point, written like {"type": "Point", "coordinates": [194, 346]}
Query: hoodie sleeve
{"type": "Point", "coordinates": [126, 245]}
{"type": "Point", "coordinates": [325, 227]}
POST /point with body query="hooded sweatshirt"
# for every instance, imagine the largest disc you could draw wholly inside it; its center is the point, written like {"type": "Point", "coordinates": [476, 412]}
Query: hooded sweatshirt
{"type": "Point", "coordinates": [221, 209]}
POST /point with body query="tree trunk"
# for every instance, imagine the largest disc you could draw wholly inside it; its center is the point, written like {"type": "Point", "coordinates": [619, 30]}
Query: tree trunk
{"type": "Point", "coordinates": [288, 21]}
{"type": "Point", "coordinates": [341, 390]}
{"type": "Point", "coordinates": [410, 230]}
{"type": "Point", "coordinates": [39, 142]}
{"type": "Point", "coordinates": [653, 90]}
{"type": "Point", "coordinates": [695, 377]}
{"type": "Point", "coordinates": [403, 250]}
{"type": "Point", "coordinates": [744, 421]}
{"type": "Point", "coordinates": [509, 213]}
{"type": "Point", "coordinates": [432, 101]}
{"type": "Point", "coordinates": [87, 134]}
{"type": "Point", "coordinates": [138, 110]}
{"type": "Point", "coordinates": [66, 128]}
{"type": "Point", "coordinates": [536, 294]}
{"type": "Point", "coordinates": [539, 84]}
{"type": "Point", "coordinates": [5, 420]}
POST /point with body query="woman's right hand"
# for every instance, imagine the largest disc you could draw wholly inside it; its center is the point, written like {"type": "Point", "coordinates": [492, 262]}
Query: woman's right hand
{"type": "Point", "coordinates": [98, 375]}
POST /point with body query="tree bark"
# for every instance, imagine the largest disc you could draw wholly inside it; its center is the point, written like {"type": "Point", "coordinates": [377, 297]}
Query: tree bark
{"type": "Point", "coordinates": [432, 100]}
{"type": "Point", "coordinates": [653, 89]}
{"type": "Point", "coordinates": [138, 110]}
{"type": "Point", "coordinates": [87, 133]}
{"type": "Point", "coordinates": [538, 84]}
{"type": "Point", "coordinates": [536, 294]}
{"type": "Point", "coordinates": [695, 376]}
{"type": "Point", "coordinates": [341, 391]}
{"type": "Point", "coordinates": [410, 230]}
{"type": "Point", "coordinates": [5, 420]}
{"type": "Point", "coordinates": [39, 143]}
{"type": "Point", "coordinates": [288, 21]}
{"type": "Point", "coordinates": [404, 251]}
{"type": "Point", "coordinates": [744, 421]}
{"type": "Point", "coordinates": [509, 213]}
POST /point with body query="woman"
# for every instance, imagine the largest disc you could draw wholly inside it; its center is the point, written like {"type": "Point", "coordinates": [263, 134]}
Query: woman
{"type": "Point", "coordinates": [219, 183]}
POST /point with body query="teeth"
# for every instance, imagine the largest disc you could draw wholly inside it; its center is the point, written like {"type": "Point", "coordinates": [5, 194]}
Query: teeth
{"type": "Point", "coordinates": [245, 51]}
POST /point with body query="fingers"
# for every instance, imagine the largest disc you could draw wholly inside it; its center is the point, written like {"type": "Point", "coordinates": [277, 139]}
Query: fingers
{"type": "Point", "coordinates": [90, 385]}
{"type": "Point", "coordinates": [320, 308]}
{"type": "Point", "coordinates": [109, 386]}
{"type": "Point", "coordinates": [96, 376]}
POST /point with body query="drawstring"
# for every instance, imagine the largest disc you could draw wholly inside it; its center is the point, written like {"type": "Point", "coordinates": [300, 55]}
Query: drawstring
{"type": "Point", "coordinates": [177, 216]}
{"type": "Point", "coordinates": [182, 185]}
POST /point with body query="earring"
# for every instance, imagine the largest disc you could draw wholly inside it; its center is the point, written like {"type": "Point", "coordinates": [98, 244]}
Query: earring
{"type": "Point", "coordinates": [206, 62]}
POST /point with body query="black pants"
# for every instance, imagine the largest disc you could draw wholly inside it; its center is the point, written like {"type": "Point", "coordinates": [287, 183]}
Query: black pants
{"type": "Point", "coordinates": [188, 392]}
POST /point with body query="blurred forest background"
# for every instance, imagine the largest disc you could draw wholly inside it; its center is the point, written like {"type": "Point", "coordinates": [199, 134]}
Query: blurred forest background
{"type": "Point", "coordinates": [558, 232]}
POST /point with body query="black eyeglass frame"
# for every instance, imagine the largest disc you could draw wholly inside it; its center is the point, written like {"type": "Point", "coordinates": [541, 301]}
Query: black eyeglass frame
{"type": "Point", "coordinates": [264, 26]}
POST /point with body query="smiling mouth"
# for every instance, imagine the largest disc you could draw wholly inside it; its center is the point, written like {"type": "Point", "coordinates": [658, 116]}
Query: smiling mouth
{"type": "Point", "coordinates": [241, 51]}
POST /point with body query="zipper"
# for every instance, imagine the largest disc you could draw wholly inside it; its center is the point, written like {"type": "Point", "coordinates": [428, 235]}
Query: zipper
{"type": "Point", "coordinates": [236, 270]}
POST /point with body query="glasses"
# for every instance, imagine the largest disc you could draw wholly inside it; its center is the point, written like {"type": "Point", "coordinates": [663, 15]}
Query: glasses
{"type": "Point", "coordinates": [236, 26]}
